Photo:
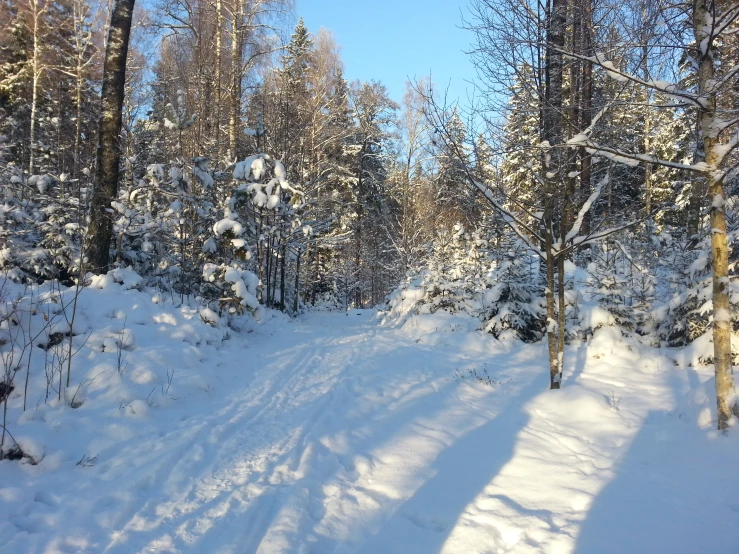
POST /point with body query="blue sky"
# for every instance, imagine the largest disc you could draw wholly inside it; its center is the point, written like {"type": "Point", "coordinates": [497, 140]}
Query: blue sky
{"type": "Point", "coordinates": [393, 40]}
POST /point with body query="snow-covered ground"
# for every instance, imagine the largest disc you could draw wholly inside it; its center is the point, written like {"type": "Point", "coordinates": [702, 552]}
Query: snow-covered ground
{"type": "Point", "coordinates": [334, 433]}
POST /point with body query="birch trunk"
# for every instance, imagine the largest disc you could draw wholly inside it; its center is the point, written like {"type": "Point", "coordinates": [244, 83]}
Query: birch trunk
{"type": "Point", "coordinates": [36, 69]}
{"type": "Point", "coordinates": [587, 105]}
{"type": "Point", "coordinates": [725, 400]}
{"type": "Point", "coordinates": [235, 100]}
{"type": "Point", "coordinates": [218, 78]}
{"type": "Point", "coordinates": [554, 373]}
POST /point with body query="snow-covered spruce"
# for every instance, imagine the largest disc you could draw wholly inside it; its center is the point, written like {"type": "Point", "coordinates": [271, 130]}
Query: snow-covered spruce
{"type": "Point", "coordinates": [41, 225]}
{"type": "Point", "coordinates": [499, 287]}
{"type": "Point", "coordinates": [260, 183]}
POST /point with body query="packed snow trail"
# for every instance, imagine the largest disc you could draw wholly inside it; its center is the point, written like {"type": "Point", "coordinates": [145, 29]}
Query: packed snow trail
{"type": "Point", "coordinates": [339, 425]}
{"type": "Point", "coordinates": [333, 434]}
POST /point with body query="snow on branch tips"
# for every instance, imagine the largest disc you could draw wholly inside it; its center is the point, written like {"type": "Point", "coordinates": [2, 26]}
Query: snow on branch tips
{"type": "Point", "coordinates": [177, 116]}
{"type": "Point", "coordinates": [266, 180]}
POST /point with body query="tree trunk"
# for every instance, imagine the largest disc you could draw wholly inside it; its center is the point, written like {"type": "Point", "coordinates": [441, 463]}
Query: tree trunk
{"type": "Point", "coordinates": [274, 267]}
{"type": "Point", "coordinates": [218, 79]}
{"type": "Point", "coordinates": [268, 270]}
{"type": "Point", "coordinates": [36, 70]}
{"type": "Point", "coordinates": [296, 291]}
{"type": "Point", "coordinates": [78, 123]}
{"type": "Point", "coordinates": [586, 112]}
{"type": "Point", "coordinates": [100, 230]}
{"type": "Point", "coordinates": [234, 125]}
{"type": "Point", "coordinates": [553, 166]}
{"type": "Point", "coordinates": [316, 274]}
{"type": "Point", "coordinates": [358, 231]}
{"type": "Point", "coordinates": [560, 320]}
{"type": "Point", "coordinates": [357, 263]}
{"type": "Point", "coordinates": [283, 255]}
{"type": "Point", "coordinates": [726, 403]}
{"type": "Point", "coordinates": [260, 255]}
{"type": "Point", "coordinates": [553, 94]}
{"type": "Point", "coordinates": [554, 373]}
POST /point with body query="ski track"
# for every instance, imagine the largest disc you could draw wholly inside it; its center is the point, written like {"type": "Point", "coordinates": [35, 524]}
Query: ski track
{"type": "Point", "coordinates": [270, 467]}
{"type": "Point", "coordinates": [257, 449]}
{"type": "Point", "coordinates": [344, 436]}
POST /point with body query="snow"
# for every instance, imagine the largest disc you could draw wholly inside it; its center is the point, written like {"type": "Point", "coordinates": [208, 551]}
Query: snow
{"type": "Point", "coordinates": [258, 168]}
{"type": "Point", "coordinates": [127, 278]}
{"type": "Point", "coordinates": [579, 139]}
{"type": "Point", "coordinates": [41, 182]}
{"type": "Point", "coordinates": [204, 176]}
{"type": "Point", "coordinates": [225, 225]}
{"type": "Point", "coordinates": [721, 150]}
{"type": "Point", "coordinates": [572, 234]}
{"type": "Point", "coordinates": [718, 201]}
{"type": "Point", "coordinates": [242, 170]}
{"type": "Point", "coordinates": [722, 314]}
{"type": "Point", "coordinates": [614, 73]}
{"type": "Point", "coordinates": [662, 85]}
{"type": "Point", "coordinates": [630, 162]}
{"type": "Point", "coordinates": [332, 433]}
{"type": "Point", "coordinates": [280, 171]}
{"type": "Point", "coordinates": [272, 201]}
{"type": "Point", "coordinates": [210, 245]}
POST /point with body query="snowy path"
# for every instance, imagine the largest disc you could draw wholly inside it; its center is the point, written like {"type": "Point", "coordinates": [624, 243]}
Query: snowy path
{"type": "Point", "coordinates": [336, 429]}
{"type": "Point", "coordinates": [338, 435]}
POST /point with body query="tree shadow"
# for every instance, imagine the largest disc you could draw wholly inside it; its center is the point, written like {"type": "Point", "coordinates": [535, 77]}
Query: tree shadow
{"type": "Point", "coordinates": [580, 357]}
{"type": "Point", "coordinates": [674, 492]}
{"type": "Point", "coordinates": [462, 471]}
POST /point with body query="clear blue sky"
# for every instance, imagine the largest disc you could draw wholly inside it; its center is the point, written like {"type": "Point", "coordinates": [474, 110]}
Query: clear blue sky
{"type": "Point", "coordinates": [394, 40]}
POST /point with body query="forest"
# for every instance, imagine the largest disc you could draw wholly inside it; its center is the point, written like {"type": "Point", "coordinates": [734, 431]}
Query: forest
{"type": "Point", "coordinates": [209, 161]}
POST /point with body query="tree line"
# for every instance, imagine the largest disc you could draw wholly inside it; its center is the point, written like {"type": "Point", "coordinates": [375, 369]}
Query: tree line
{"type": "Point", "coordinates": [242, 169]}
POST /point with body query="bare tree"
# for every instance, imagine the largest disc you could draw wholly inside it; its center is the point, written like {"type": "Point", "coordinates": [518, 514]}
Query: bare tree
{"type": "Point", "coordinates": [712, 24]}
{"type": "Point", "coordinates": [706, 96]}
{"type": "Point", "coordinates": [411, 224]}
{"type": "Point", "coordinates": [548, 45]}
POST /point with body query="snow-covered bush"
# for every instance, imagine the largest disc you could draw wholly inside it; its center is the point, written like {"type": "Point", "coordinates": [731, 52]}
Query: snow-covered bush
{"type": "Point", "coordinates": [683, 313]}
{"type": "Point", "coordinates": [686, 314]}
{"type": "Point", "coordinates": [241, 283]}
{"type": "Point", "coordinates": [161, 222]}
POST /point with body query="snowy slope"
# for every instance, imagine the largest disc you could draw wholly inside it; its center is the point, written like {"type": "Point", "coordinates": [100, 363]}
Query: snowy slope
{"type": "Point", "coordinates": [333, 433]}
